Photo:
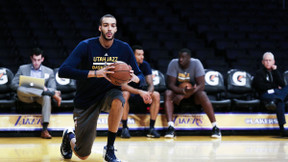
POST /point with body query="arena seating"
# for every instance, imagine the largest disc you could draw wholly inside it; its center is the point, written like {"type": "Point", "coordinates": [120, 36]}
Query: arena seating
{"type": "Point", "coordinates": [67, 87]}
{"type": "Point", "coordinates": [216, 90]}
{"type": "Point", "coordinates": [240, 90]}
{"type": "Point", "coordinates": [7, 96]}
{"type": "Point", "coordinates": [223, 34]}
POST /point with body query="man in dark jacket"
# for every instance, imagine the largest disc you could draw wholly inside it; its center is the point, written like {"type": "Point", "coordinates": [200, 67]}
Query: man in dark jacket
{"type": "Point", "coordinates": [271, 87]}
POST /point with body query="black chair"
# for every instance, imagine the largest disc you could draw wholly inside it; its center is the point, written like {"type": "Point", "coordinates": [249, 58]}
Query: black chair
{"type": "Point", "coordinates": [159, 83]}
{"type": "Point", "coordinates": [285, 77]}
{"type": "Point", "coordinates": [7, 96]}
{"type": "Point", "coordinates": [67, 88]}
{"type": "Point", "coordinates": [240, 90]}
{"type": "Point", "coordinates": [216, 90]}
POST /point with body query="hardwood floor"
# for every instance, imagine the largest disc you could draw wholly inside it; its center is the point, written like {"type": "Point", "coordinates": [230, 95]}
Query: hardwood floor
{"type": "Point", "coordinates": [142, 149]}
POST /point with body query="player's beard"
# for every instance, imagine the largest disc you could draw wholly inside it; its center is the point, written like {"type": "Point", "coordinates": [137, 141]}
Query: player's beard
{"type": "Point", "coordinates": [107, 39]}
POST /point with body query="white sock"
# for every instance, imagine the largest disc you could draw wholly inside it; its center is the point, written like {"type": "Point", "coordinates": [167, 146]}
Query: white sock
{"type": "Point", "coordinates": [170, 123]}
{"type": "Point", "coordinates": [214, 124]}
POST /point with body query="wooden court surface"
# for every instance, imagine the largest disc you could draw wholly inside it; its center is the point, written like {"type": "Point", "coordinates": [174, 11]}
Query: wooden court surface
{"type": "Point", "coordinates": [142, 149]}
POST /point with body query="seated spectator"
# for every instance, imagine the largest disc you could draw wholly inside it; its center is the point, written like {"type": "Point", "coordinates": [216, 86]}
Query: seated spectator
{"type": "Point", "coordinates": [271, 88]}
{"type": "Point", "coordinates": [187, 69]}
{"type": "Point", "coordinates": [141, 95]}
{"type": "Point", "coordinates": [42, 96]}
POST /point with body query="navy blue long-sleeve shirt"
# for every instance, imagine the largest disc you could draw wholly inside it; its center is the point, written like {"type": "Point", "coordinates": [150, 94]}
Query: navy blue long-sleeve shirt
{"type": "Point", "coordinates": [90, 55]}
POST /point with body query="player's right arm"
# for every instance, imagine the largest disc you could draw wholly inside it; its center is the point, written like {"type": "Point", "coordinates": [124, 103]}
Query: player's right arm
{"type": "Point", "coordinates": [171, 84]}
{"type": "Point", "coordinates": [69, 69]}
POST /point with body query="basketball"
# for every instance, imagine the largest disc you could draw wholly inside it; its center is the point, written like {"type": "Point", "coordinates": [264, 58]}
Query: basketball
{"type": "Point", "coordinates": [185, 85]}
{"type": "Point", "coordinates": [121, 73]}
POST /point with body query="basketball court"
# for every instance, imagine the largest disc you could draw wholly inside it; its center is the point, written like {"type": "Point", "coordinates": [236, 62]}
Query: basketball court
{"type": "Point", "coordinates": [198, 146]}
{"type": "Point", "coordinates": [142, 149]}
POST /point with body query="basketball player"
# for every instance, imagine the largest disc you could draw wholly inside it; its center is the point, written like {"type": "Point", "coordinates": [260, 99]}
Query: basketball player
{"type": "Point", "coordinates": [95, 92]}
{"type": "Point", "coordinates": [139, 95]}
{"type": "Point", "coordinates": [187, 69]}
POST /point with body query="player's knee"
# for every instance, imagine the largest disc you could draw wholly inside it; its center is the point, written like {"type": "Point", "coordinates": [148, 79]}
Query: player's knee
{"type": "Point", "coordinates": [156, 96]}
{"type": "Point", "coordinates": [168, 95]}
{"type": "Point", "coordinates": [117, 103]}
{"type": "Point", "coordinates": [201, 96]}
{"type": "Point", "coordinates": [126, 95]}
{"type": "Point", "coordinates": [83, 157]}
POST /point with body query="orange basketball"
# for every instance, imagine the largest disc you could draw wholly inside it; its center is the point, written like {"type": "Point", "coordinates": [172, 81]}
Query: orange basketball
{"type": "Point", "coordinates": [121, 73]}
{"type": "Point", "coordinates": [185, 85]}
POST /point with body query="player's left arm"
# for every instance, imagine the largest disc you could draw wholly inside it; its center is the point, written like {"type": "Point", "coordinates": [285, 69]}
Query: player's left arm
{"type": "Point", "coordinates": [200, 82]}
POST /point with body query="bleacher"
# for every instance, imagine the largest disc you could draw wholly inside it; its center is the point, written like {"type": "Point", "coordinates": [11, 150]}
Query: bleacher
{"type": "Point", "coordinates": [223, 34]}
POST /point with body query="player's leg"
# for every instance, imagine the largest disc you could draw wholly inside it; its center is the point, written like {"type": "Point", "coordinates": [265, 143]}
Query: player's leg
{"type": "Point", "coordinates": [115, 115]}
{"type": "Point", "coordinates": [169, 105]}
{"type": "Point", "coordinates": [125, 130]}
{"type": "Point", "coordinates": [154, 109]}
{"type": "Point", "coordinates": [169, 109]}
{"type": "Point", "coordinates": [81, 142]}
{"type": "Point", "coordinates": [115, 102]}
{"type": "Point", "coordinates": [202, 99]}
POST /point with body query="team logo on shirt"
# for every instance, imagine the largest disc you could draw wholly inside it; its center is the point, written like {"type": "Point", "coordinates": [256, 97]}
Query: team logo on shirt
{"type": "Point", "coordinates": [101, 62]}
{"type": "Point", "coordinates": [184, 77]}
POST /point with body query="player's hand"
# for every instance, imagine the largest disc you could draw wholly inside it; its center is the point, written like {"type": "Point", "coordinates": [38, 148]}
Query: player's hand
{"type": "Point", "coordinates": [134, 77]}
{"type": "Point", "coordinates": [146, 97]}
{"type": "Point", "coordinates": [190, 91]}
{"type": "Point", "coordinates": [104, 71]}
{"type": "Point", "coordinates": [150, 93]}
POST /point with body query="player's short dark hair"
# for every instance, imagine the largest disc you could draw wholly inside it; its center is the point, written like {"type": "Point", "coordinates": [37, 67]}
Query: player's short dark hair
{"type": "Point", "coordinates": [137, 47]}
{"type": "Point", "coordinates": [105, 16]}
{"type": "Point", "coordinates": [185, 50]}
{"type": "Point", "coordinates": [37, 51]}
